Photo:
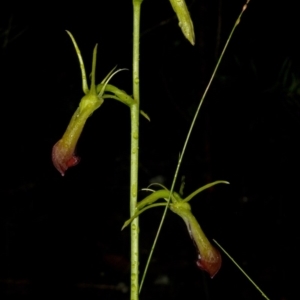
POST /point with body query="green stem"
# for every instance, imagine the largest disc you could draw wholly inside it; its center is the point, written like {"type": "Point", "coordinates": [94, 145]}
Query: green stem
{"type": "Point", "coordinates": [134, 113]}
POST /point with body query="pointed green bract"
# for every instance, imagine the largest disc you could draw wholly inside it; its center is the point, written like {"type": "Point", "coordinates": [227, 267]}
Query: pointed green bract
{"type": "Point", "coordinates": [165, 194]}
{"type": "Point", "coordinates": [207, 186]}
{"type": "Point", "coordinates": [81, 63]}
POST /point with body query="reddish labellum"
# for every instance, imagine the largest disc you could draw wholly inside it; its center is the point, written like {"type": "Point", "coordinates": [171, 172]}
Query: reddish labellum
{"type": "Point", "coordinates": [63, 158]}
{"type": "Point", "coordinates": [73, 161]}
{"type": "Point", "coordinates": [211, 264]}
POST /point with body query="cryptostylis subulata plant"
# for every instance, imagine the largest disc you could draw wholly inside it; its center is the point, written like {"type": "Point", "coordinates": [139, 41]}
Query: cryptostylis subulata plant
{"type": "Point", "coordinates": [63, 152]}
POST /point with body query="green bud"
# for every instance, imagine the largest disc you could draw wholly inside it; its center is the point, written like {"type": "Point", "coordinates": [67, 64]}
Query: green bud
{"type": "Point", "coordinates": [185, 21]}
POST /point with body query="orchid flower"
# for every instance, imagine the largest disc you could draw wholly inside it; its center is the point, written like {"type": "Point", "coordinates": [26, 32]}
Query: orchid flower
{"type": "Point", "coordinates": [63, 152]}
{"type": "Point", "coordinates": [209, 258]}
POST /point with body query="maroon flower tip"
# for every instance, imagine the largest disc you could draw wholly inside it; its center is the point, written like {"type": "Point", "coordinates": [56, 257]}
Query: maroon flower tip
{"type": "Point", "coordinates": [211, 262]}
{"type": "Point", "coordinates": [62, 158]}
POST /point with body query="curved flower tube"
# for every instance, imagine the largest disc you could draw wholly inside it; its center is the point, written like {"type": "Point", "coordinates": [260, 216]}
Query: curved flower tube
{"type": "Point", "coordinates": [63, 151]}
{"type": "Point", "coordinates": [209, 258]}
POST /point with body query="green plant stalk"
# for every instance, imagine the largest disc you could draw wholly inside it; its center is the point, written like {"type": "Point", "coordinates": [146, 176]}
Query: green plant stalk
{"type": "Point", "coordinates": [134, 152]}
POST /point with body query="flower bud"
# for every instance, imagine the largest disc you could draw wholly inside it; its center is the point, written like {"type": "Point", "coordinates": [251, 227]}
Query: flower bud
{"type": "Point", "coordinates": [185, 21]}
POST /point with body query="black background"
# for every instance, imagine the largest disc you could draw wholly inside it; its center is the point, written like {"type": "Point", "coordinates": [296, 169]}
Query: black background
{"type": "Point", "coordinates": [60, 236]}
